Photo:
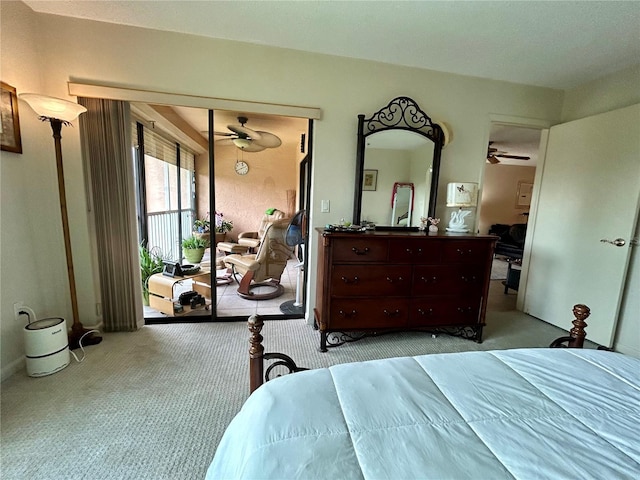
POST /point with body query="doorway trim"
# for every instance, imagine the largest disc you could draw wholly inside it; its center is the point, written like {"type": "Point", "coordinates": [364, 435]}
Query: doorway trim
{"type": "Point", "coordinates": [212, 103]}
{"type": "Point", "coordinates": [543, 126]}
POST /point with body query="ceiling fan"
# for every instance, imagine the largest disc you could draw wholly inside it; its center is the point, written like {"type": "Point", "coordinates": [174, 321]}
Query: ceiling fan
{"type": "Point", "coordinates": [246, 139]}
{"type": "Point", "coordinates": [494, 153]}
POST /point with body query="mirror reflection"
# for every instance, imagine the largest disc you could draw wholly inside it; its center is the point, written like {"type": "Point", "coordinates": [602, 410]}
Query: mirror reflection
{"type": "Point", "coordinates": [402, 160]}
{"type": "Point", "coordinates": [397, 166]}
{"type": "Point", "coordinates": [402, 204]}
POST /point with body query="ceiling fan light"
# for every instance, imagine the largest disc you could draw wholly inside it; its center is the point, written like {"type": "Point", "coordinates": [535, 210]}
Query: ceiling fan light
{"type": "Point", "coordinates": [241, 142]}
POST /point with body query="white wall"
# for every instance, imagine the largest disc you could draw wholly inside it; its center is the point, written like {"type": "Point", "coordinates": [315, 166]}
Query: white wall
{"type": "Point", "coordinates": [611, 92]}
{"type": "Point", "coordinates": [33, 265]}
{"type": "Point", "coordinates": [499, 194]}
{"type": "Point", "coordinates": [43, 52]}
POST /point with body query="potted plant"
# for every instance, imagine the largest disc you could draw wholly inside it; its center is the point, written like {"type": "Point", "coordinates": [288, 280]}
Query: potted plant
{"type": "Point", "coordinates": [222, 227]}
{"type": "Point", "coordinates": [151, 262]}
{"type": "Point", "coordinates": [201, 228]}
{"type": "Point", "coordinates": [193, 249]}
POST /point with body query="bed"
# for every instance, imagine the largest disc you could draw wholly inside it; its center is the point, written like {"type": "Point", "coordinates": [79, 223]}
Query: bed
{"type": "Point", "coordinates": [522, 413]}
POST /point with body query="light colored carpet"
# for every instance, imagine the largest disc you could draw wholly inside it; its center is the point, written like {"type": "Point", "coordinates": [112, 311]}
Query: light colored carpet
{"type": "Point", "coordinates": [153, 404]}
{"type": "Point", "coordinates": [499, 269]}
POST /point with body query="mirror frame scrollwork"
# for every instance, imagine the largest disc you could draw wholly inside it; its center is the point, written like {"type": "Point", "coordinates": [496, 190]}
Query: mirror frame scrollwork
{"type": "Point", "coordinates": [402, 113]}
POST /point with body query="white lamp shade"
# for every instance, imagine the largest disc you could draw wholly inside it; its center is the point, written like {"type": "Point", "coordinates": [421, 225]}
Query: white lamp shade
{"type": "Point", "coordinates": [462, 194]}
{"type": "Point", "coordinates": [52, 107]}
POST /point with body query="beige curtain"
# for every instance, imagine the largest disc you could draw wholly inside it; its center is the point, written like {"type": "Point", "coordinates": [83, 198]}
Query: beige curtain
{"type": "Point", "coordinates": [106, 147]}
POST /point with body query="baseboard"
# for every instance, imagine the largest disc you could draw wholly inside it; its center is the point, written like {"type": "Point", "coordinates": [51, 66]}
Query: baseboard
{"type": "Point", "coordinates": [14, 367]}
{"type": "Point", "coordinates": [631, 350]}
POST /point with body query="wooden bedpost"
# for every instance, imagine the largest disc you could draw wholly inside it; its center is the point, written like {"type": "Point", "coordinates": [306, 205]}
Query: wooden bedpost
{"type": "Point", "coordinates": [256, 353]}
{"type": "Point", "coordinates": [577, 333]}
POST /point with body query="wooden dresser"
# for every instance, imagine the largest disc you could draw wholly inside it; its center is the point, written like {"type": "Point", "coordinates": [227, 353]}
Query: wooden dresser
{"type": "Point", "coordinates": [379, 281]}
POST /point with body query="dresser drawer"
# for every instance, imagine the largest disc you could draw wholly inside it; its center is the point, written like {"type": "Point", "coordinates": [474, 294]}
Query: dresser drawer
{"type": "Point", "coordinates": [368, 280]}
{"type": "Point", "coordinates": [360, 249]}
{"type": "Point", "coordinates": [432, 280]}
{"type": "Point", "coordinates": [415, 251]}
{"type": "Point", "coordinates": [459, 279]}
{"type": "Point", "coordinates": [465, 251]}
{"type": "Point", "coordinates": [369, 313]}
{"type": "Point", "coordinates": [444, 311]}
{"type": "Point", "coordinates": [467, 279]}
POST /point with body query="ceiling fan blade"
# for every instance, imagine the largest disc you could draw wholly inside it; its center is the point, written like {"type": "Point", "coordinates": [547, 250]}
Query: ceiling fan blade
{"type": "Point", "coordinates": [267, 140]}
{"type": "Point", "coordinates": [222, 134]}
{"type": "Point", "coordinates": [244, 132]}
{"type": "Point", "coordinates": [493, 160]}
{"type": "Point", "coordinates": [225, 141]}
{"type": "Point", "coordinates": [516, 157]}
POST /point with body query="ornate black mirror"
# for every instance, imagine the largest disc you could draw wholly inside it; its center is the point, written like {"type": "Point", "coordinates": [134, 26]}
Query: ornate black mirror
{"type": "Point", "coordinates": [398, 145]}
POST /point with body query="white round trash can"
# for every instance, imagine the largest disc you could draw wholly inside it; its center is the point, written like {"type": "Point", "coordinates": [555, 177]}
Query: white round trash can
{"type": "Point", "coordinates": [46, 345]}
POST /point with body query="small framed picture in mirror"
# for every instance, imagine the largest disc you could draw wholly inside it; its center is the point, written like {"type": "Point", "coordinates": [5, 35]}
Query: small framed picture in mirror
{"type": "Point", "coordinates": [370, 180]}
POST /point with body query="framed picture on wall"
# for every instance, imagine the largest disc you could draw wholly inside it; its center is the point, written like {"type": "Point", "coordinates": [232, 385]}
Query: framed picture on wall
{"type": "Point", "coordinates": [523, 197]}
{"type": "Point", "coordinates": [370, 180]}
{"type": "Point", "coordinates": [10, 140]}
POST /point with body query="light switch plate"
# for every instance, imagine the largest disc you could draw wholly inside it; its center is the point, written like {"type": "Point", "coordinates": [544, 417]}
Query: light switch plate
{"type": "Point", "coordinates": [325, 206]}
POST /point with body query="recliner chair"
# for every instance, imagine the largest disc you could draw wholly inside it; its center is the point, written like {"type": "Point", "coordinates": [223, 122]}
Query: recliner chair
{"type": "Point", "coordinates": [249, 241]}
{"type": "Point", "coordinates": [265, 267]}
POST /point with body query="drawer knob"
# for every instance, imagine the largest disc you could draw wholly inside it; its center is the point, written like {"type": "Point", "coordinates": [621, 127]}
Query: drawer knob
{"type": "Point", "coordinates": [427, 280]}
{"type": "Point", "coordinates": [410, 251]}
{"type": "Point", "coordinates": [352, 313]}
{"type": "Point", "coordinates": [391, 314]}
{"type": "Point", "coordinates": [391, 280]}
{"type": "Point", "coordinates": [424, 313]}
{"type": "Point", "coordinates": [347, 280]}
{"type": "Point", "coordinates": [357, 251]}
{"type": "Point", "coordinates": [464, 310]}
{"type": "Point", "coordinates": [471, 279]}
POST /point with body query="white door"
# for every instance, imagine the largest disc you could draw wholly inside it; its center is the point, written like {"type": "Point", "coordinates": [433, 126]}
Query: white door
{"type": "Point", "coordinates": [589, 191]}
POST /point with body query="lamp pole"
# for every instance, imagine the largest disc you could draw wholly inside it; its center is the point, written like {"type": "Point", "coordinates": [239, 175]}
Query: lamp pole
{"type": "Point", "coordinates": [49, 109]}
{"type": "Point", "coordinates": [77, 330]}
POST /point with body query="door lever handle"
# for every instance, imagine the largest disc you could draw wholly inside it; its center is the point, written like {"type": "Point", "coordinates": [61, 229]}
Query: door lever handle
{"type": "Point", "coordinates": [618, 242]}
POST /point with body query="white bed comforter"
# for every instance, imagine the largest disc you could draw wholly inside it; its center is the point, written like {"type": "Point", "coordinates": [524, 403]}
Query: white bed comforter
{"type": "Point", "coordinates": [528, 414]}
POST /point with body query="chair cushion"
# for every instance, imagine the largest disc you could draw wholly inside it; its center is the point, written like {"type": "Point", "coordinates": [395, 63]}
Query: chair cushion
{"type": "Point", "coordinates": [249, 242]}
{"type": "Point", "coordinates": [244, 263]}
{"type": "Point", "coordinates": [231, 247]}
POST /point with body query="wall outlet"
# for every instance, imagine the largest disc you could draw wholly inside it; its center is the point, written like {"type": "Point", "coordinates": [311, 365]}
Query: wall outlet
{"type": "Point", "coordinates": [16, 309]}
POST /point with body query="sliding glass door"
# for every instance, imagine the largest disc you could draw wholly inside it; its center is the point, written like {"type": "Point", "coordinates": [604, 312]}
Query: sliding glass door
{"type": "Point", "coordinates": [165, 173]}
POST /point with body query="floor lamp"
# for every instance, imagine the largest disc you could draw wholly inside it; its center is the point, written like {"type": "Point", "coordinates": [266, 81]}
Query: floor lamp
{"type": "Point", "coordinates": [60, 112]}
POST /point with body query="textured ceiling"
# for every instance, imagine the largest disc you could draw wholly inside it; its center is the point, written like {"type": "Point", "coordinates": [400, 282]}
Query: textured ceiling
{"type": "Point", "coordinates": [553, 44]}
